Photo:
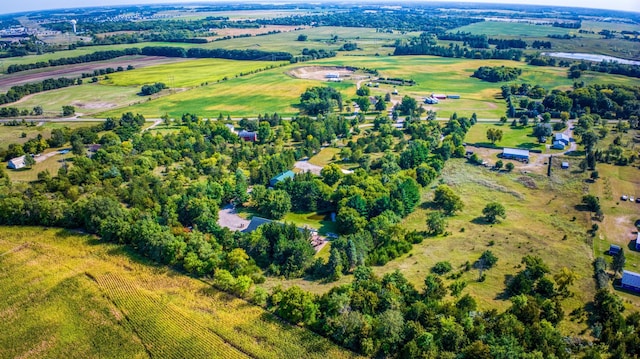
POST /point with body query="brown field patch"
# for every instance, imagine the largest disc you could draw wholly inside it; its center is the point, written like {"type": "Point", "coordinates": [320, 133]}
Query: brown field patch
{"type": "Point", "coordinates": [253, 32]}
{"type": "Point", "coordinates": [321, 72]}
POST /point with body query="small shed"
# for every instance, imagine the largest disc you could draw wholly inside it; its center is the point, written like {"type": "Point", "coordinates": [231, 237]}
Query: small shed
{"type": "Point", "coordinates": [248, 136]}
{"type": "Point", "coordinates": [565, 165]}
{"type": "Point", "coordinates": [557, 145]}
{"type": "Point", "coordinates": [17, 163]}
{"type": "Point", "coordinates": [638, 242]}
{"type": "Point", "coordinates": [614, 250]}
{"type": "Point", "coordinates": [431, 101]}
{"type": "Point", "coordinates": [630, 281]}
{"type": "Point", "coordinates": [516, 154]}
{"type": "Point", "coordinates": [281, 177]}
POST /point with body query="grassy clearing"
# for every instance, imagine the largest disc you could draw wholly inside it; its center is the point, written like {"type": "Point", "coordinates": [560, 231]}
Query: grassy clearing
{"type": "Point", "coordinates": [520, 137]}
{"type": "Point", "coordinates": [324, 157]}
{"type": "Point", "coordinates": [317, 221]}
{"type": "Point", "coordinates": [187, 74]}
{"type": "Point", "coordinates": [72, 296]}
{"type": "Point", "coordinates": [13, 134]}
{"type": "Point", "coordinates": [88, 99]}
{"type": "Point", "coordinates": [52, 164]}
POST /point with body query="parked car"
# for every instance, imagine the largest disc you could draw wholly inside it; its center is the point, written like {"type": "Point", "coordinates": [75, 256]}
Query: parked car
{"type": "Point", "coordinates": [631, 199]}
{"type": "Point", "coordinates": [624, 197]}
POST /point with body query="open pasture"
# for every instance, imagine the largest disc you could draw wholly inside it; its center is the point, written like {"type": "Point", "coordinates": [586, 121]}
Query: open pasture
{"type": "Point", "coordinates": [71, 296]}
{"type": "Point", "coordinates": [504, 28]}
{"type": "Point", "coordinates": [520, 137]}
{"type": "Point", "coordinates": [88, 99]}
{"type": "Point", "coordinates": [188, 73]}
{"type": "Point", "coordinates": [269, 91]}
{"type": "Point", "coordinates": [13, 134]}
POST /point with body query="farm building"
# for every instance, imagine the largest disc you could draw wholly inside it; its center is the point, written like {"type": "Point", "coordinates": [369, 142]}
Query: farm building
{"type": "Point", "coordinates": [17, 163]}
{"type": "Point", "coordinates": [281, 177]}
{"type": "Point", "coordinates": [248, 136]}
{"type": "Point", "coordinates": [565, 165]}
{"type": "Point", "coordinates": [439, 96]}
{"type": "Point", "coordinates": [614, 250]}
{"type": "Point", "coordinates": [561, 137]}
{"type": "Point", "coordinates": [333, 75]}
{"type": "Point", "coordinates": [558, 145]}
{"type": "Point", "coordinates": [515, 154]}
{"type": "Point", "coordinates": [630, 281]}
{"type": "Point", "coordinates": [638, 242]}
{"type": "Point", "coordinates": [431, 100]}
{"type": "Point", "coordinates": [455, 97]}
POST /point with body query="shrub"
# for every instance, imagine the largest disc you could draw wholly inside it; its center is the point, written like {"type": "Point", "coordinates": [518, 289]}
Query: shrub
{"type": "Point", "coordinates": [442, 268]}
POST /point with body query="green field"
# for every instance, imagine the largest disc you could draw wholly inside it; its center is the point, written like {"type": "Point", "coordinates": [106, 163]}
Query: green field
{"type": "Point", "coordinates": [187, 74]}
{"type": "Point", "coordinates": [13, 134]}
{"type": "Point", "coordinates": [87, 99]}
{"type": "Point", "coordinates": [503, 28]}
{"type": "Point", "coordinates": [520, 137]}
{"type": "Point", "coordinates": [68, 295]}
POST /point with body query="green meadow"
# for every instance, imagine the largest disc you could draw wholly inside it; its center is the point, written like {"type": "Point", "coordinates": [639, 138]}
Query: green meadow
{"type": "Point", "coordinates": [187, 74]}
{"type": "Point", "coordinates": [503, 28]}
{"type": "Point", "coordinates": [67, 295]}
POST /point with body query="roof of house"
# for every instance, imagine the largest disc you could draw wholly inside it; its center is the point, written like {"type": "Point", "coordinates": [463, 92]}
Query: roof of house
{"type": "Point", "coordinates": [18, 161]}
{"type": "Point", "coordinates": [631, 279]}
{"type": "Point", "coordinates": [283, 176]}
{"type": "Point", "coordinates": [561, 136]}
{"type": "Point", "coordinates": [255, 223]}
{"type": "Point", "coordinates": [515, 152]}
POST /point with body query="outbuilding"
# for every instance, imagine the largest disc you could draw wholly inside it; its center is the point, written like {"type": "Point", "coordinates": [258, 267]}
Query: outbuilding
{"type": "Point", "coordinates": [558, 145]}
{"type": "Point", "coordinates": [515, 154]}
{"type": "Point", "coordinates": [565, 165]}
{"type": "Point", "coordinates": [17, 163]}
{"type": "Point", "coordinates": [630, 281]}
{"type": "Point", "coordinates": [614, 250]}
{"type": "Point", "coordinates": [638, 242]}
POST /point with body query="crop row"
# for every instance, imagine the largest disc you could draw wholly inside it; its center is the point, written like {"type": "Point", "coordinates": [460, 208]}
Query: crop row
{"type": "Point", "coordinates": [165, 331]}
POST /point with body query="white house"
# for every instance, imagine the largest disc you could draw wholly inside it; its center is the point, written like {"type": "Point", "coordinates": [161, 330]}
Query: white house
{"type": "Point", "coordinates": [17, 163]}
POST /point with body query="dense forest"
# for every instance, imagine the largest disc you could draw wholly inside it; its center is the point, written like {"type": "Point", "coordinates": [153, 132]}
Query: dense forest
{"type": "Point", "coordinates": [426, 44]}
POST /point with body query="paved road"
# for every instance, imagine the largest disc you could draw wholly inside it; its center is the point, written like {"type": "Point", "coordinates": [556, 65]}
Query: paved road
{"type": "Point", "coordinates": [227, 217]}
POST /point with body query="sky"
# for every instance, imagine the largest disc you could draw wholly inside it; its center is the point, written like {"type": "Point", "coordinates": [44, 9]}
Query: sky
{"type": "Point", "coordinates": [10, 6]}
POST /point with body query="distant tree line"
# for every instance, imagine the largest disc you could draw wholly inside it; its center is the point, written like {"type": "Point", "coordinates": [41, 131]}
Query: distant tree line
{"type": "Point", "coordinates": [313, 54]}
{"type": "Point", "coordinates": [15, 93]}
{"type": "Point", "coordinates": [96, 56]}
{"type": "Point", "coordinates": [432, 20]}
{"type": "Point", "coordinates": [426, 44]}
{"type": "Point", "coordinates": [148, 90]}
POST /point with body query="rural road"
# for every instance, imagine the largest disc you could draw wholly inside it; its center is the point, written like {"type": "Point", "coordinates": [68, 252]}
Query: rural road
{"type": "Point", "coordinates": [227, 217]}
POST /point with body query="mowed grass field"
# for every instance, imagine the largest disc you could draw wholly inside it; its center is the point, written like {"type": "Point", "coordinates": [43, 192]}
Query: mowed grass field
{"type": "Point", "coordinates": [68, 295]}
{"type": "Point", "coordinates": [503, 28]}
{"type": "Point", "coordinates": [518, 137]}
{"type": "Point", "coordinates": [88, 99]}
{"type": "Point", "coordinates": [187, 74]}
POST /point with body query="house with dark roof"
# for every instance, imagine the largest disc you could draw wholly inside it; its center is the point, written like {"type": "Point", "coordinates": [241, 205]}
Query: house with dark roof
{"type": "Point", "coordinates": [17, 163]}
{"type": "Point", "coordinates": [515, 154]}
{"type": "Point", "coordinates": [249, 136]}
{"type": "Point", "coordinates": [281, 177]}
{"type": "Point", "coordinates": [614, 250]}
{"type": "Point", "coordinates": [630, 281]}
{"type": "Point", "coordinates": [255, 223]}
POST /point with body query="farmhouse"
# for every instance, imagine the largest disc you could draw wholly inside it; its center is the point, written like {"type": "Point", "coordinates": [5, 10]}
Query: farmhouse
{"type": "Point", "coordinates": [561, 137]}
{"type": "Point", "coordinates": [515, 154]}
{"type": "Point", "coordinates": [248, 136]}
{"type": "Point", "coordinates": [255, 223]}
{"type": "Point", "coordinates": [281, 177]}
{"type": "Point", "coordinates": [17, 163]}
{"type": "Point", "coordinates": [630, 281]}
{"type": "Point", "coordinates": [614, 250]}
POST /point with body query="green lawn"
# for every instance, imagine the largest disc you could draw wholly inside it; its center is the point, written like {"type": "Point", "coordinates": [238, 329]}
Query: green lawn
{"type": "Point", "coordinates": [520, 137]}
{"type": "Point", "coordinates": [13, 134]}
